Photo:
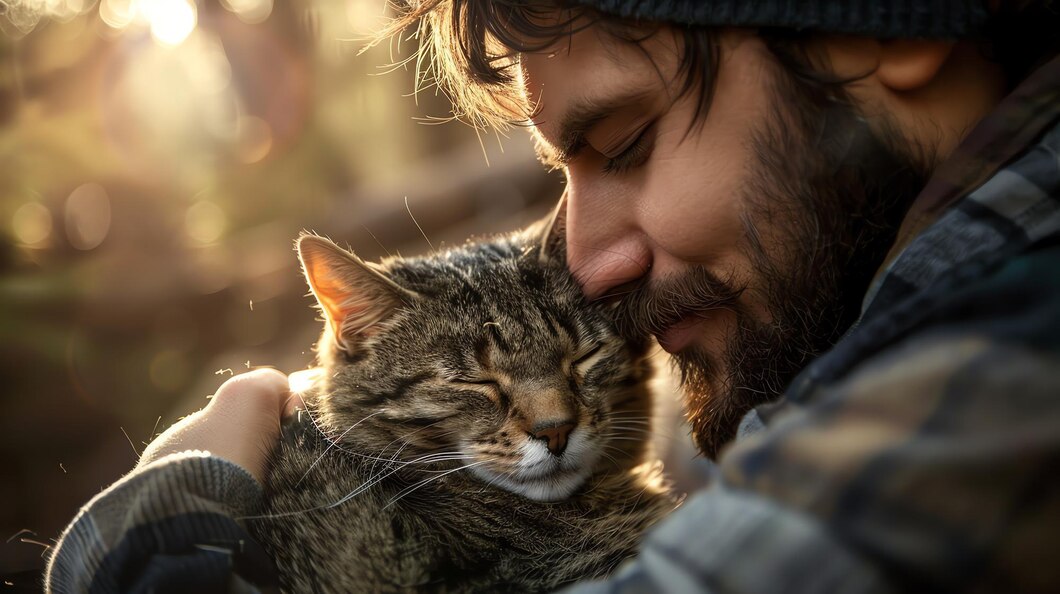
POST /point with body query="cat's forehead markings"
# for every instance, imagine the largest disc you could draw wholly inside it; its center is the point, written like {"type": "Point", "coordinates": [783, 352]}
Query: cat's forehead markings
{"type": "Point", "coordinates": [502, 378]}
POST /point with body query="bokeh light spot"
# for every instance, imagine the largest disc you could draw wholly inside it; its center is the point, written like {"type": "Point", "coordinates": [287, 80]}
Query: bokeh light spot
{"type": "Point", "coordinates": [32, 223]}
{"type": "Point", "coordinates": [205, 222]}
{"type": "Point", "coordinates": [117, 14]}
{"type": "Point", "coordinates": [171, 20]}
{"type": "Point", "coordinates": [249, 11]}
{"type": "Point", "coordinates": [68, 9]}
{"type": "Point", "coordinates": [364, 16]}
{"type": "Point", "coordinates": [255, 139]}
{"type": "Point", "coordinates": [87, 216]}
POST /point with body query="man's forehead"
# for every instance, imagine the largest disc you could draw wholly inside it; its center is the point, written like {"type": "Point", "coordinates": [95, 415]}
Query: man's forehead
{"type": "Point", "coordinates": [567, 91]}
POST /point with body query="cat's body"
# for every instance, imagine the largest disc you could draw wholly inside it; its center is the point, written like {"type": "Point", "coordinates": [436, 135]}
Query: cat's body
{"type": "Point", "coordinates": [455, 534]}
{"type": "Point", "coordinates": [479, 428]}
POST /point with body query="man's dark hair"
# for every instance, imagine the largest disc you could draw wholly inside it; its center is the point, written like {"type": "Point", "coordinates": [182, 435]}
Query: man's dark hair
{"type": "Point", "coordinates": [468, 48]}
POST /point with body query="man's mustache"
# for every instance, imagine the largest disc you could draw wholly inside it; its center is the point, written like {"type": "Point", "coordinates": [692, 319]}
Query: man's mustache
{"type": "Point", "coordinates": [650, 307]}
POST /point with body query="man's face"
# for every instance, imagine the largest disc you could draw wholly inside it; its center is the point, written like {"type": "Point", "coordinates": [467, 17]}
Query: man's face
{"type": "Point", "coordinates": [742, 241]}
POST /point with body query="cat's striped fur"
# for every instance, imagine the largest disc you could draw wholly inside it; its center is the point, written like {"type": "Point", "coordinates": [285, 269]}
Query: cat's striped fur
{"type": "Point", "coordinates": [479, 428]}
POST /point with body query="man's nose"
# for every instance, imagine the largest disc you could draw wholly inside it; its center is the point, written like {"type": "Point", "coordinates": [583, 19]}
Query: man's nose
{"type": "Point", "coordinates": [605, 249]}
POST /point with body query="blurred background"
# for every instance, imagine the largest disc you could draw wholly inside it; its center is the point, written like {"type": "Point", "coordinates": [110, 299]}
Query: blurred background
{"type": "Point", "coordinates": [157, 159]}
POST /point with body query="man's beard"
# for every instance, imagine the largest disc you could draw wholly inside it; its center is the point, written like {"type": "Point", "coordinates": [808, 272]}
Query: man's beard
{"type": "Point", "coordinates": [824, 199]}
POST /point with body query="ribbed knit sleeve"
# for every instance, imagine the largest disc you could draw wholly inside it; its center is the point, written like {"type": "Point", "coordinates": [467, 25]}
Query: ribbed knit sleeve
{"type": "Point", "coordinates": [171, 526]}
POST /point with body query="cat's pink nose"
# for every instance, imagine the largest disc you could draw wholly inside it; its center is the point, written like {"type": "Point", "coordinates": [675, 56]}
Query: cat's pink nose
{"type": "Point", "coordinates": [555, 434]}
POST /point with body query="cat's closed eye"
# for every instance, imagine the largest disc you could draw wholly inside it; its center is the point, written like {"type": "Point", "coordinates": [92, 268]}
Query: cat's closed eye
{"type": "Point", "coordinates": [487, 387]}
{"type": "Point", "coordinates": [585, 361]}
{"type": "Point", "coordinates": [475, 381]}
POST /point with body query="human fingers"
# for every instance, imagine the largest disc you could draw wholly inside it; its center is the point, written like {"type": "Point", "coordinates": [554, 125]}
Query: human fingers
{"type": "Point", "coordinates": [240, 424]}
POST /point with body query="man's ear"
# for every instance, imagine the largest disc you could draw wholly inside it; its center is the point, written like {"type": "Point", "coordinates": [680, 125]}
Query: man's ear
{"type": "Point", "coordinates": [354, 295]}
{"type": "Point", "coordinates": [909, 64]}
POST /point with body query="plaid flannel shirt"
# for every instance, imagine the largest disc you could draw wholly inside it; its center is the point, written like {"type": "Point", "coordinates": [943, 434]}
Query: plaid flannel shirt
{"type": "Point", "coordinates": [920, 454]}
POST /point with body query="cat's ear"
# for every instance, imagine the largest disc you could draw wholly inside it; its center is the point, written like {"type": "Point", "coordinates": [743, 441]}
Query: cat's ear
{"type": "Point", "coordinates": [552, 233]}
{"type": "Point", "coordinates": [355, 295]}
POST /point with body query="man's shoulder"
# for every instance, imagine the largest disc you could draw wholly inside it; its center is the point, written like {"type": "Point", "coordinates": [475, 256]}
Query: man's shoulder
{"type": "Point", "coordinates": [1015, 302]}
{"type": "Point", "coordinates": [1010, 305]}
{"type": "Point", "coordinates": [1006, 313]}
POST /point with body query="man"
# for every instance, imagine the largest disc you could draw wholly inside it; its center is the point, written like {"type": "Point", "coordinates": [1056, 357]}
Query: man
{"type": "Point", "coordinates": [843, 221]}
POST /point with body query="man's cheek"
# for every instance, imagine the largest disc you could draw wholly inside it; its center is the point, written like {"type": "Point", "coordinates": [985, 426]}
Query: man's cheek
{"type": "Point", "coordinates": [691, 211]}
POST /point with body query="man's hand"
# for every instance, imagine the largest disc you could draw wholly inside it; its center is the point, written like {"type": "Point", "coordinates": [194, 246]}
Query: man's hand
{"type": "Point", "coordinates": [240, 424]}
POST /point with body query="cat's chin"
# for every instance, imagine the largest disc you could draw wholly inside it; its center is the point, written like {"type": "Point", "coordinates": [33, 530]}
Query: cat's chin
{"type": "Point", "coordinates": [553, 487]}
{"type": "Point", "coordinates": [541, 476]}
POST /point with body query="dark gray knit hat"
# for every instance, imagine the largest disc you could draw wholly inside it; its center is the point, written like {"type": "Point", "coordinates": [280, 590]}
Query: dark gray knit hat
{"type": "Point", "coordinates": [943, 19]}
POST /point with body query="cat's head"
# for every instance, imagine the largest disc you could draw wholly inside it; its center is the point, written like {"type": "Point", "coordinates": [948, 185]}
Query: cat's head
{"type": "Point", "coordinates": [485, 356]}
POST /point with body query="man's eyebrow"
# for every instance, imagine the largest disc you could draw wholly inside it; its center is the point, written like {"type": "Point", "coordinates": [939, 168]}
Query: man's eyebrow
{"type": "Point", "coordinates": [582, 114]}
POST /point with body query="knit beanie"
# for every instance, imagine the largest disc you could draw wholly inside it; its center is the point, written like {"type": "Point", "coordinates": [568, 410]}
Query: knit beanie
{"type": "Point", "coordinates": [938, 19]}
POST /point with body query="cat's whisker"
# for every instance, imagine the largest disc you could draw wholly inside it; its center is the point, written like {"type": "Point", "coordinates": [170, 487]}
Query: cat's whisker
{"type": "Point", "coordinates": [332, 443]}
{"type": "Point", "coordinates": [616, 449]}
{"type": "Point", "coordinates": [646, 428]}
{"type": "Point", "coordinates": [320, 429]}
{"type": "Point", "coordinates": [389, 462]}
{"type": "Point", "coordinates": [489, 484]}
{"type": "Point", "coordinates": [393, 465]}
{"type": "Point", "coordinates": [640, 429]}
{"type": "Point", "coordinates": [647, 431]}
{"type": "Point", "coordinates": [371, 483]}
{"type": "Point", "coordinates": [407, 490]}
{"type": "Point", "coordinates": [438, 470]}
{"type": "Point", "coordinates": [439, 458]}
{"type": "Point", "coordinates": [405, 441]}
{"type": "Point", "coordinates": [396, 465]}
{"type": "Point", "coordinates": [611, 458]}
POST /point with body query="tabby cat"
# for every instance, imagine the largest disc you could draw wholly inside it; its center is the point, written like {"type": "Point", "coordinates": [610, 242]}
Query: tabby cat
{"type": "Point", "coordinates": [478, 427]}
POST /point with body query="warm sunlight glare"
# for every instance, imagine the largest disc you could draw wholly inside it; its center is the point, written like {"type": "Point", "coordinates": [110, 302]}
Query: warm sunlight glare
{"type": "Point", "coordinates": [364, 16]}
{"type": "Point", "coordinates": [171, 20]}
{"type": "Point", "coordinates": [302, 381]}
